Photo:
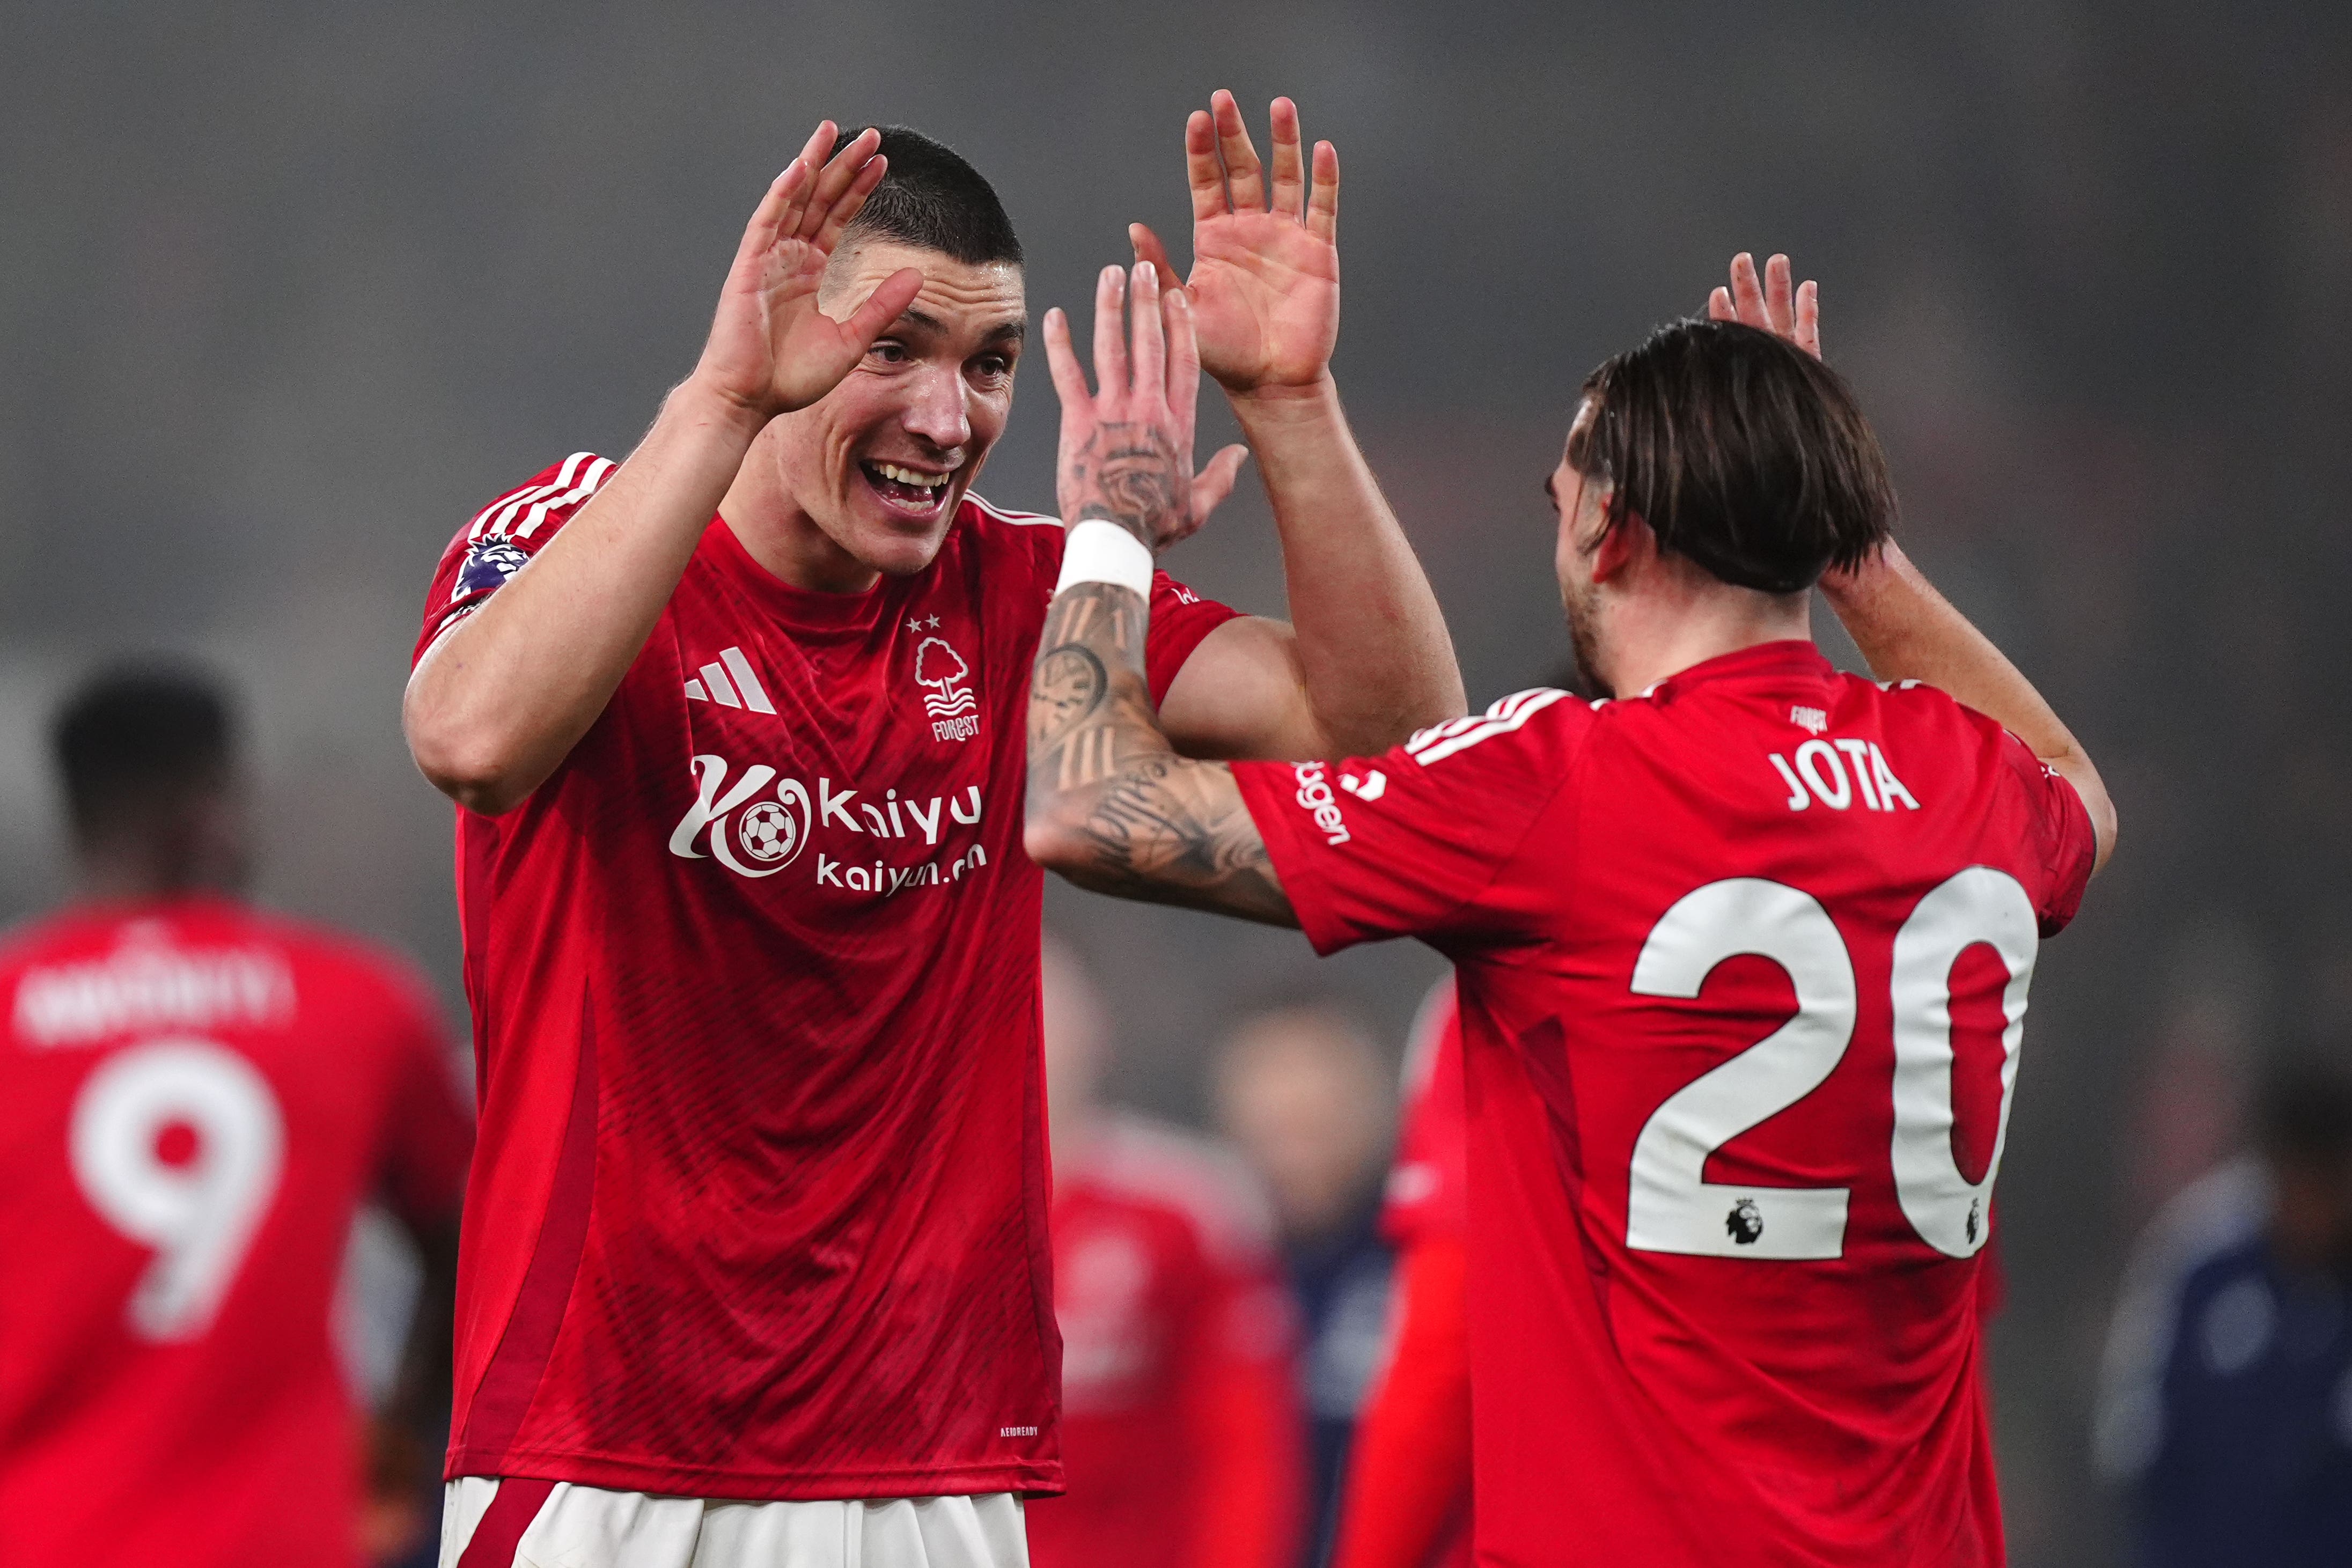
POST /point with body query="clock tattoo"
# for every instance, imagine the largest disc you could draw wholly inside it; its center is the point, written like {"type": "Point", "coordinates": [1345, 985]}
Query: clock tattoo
{"type": "Point", "coordinates": [1068, 685]}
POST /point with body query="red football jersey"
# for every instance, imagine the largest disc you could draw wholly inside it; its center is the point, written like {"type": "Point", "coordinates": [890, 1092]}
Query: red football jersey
{"type": "Point", "coordinates": [1743, 965]}
{"type": "Point", "coordinates": [1408, 1487]}
{"type": "Point", "coordinates": [194, 1099]}
{"type": "Point", "coordinates": [1425, 1194]}
{"type": "Point", "coordinates": [761, 1206]}
{"type": "Point", "coordinates": [1180, 1424]}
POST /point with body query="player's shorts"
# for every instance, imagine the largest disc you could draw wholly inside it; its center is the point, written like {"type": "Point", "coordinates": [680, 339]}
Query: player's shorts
{"type": "Point", "coordinates": [488, 1523]}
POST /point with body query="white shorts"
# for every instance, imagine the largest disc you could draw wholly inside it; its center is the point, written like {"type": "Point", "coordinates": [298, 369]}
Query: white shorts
{"type": "Point", "coordinates": [587, 1527]}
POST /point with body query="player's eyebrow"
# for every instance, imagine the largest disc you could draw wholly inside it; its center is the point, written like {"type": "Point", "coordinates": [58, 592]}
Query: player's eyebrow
{"type": "Point", "coordinates": [1016, 329]}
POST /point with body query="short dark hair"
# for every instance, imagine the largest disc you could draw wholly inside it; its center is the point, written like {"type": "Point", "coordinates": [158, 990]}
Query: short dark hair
{"type": "Point", "coordinates": [1742, 451]}
{"type": "Point", "coordinates": [931, 197]}
{"type": "Point", "coordinates": [136, 736]}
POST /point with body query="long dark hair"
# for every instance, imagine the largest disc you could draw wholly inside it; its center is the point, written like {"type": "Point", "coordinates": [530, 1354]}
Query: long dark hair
{"type": "Point", "coordinates": [1740, 450]}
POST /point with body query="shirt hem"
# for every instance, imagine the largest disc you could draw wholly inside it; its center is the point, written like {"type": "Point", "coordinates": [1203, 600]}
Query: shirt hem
{"type": "Point", "coordinates": [754, 1486]}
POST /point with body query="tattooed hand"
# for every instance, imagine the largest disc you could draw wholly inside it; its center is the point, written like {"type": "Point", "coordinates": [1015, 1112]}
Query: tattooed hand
{"type": "Point", "coordinates": [1127, 450]}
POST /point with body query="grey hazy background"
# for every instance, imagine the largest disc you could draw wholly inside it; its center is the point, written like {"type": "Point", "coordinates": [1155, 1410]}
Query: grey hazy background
{"type": "Point", "coordinates": [287, 291]}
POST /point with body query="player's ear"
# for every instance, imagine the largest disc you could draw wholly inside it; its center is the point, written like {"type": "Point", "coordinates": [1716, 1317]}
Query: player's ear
{"type": "Point", "coordinates": [1626, 539]}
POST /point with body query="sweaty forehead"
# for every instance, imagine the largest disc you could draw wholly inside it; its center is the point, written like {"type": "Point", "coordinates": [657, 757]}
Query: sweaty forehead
{"type": "Point", "coordinates": [961, 295]}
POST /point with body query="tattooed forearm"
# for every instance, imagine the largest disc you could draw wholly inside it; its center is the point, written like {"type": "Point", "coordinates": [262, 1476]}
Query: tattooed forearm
{"type": "Point", "coordinates": [1175, 830]}
{"type": "Point", "coordinates": [1131, 474]}
{"type": "Point", "coordinates": [1068, 685]}
{"type": "Point", "coordinates": [1111, 806]}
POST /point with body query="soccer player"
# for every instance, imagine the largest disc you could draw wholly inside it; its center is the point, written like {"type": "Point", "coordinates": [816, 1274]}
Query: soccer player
{"type": "Point", "coordinates": [195, 1098]}
{"type": "Point", "coordinates": [1742, 948]}
{"type": "Point", "coordinates": [756, 1246]}
{"type": "Point", "coordinates": [1180, 1424]}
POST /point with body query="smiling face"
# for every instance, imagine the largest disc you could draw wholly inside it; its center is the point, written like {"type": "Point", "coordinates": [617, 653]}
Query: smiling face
{"type": "Point", "coordinates": [880, 463]}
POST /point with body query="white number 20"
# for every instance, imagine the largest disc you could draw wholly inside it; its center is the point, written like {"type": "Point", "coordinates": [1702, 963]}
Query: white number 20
{"type": "Point", "coordinates": [199, 1216]}
{"type": "Point", "coordinates": [1671, 1207]}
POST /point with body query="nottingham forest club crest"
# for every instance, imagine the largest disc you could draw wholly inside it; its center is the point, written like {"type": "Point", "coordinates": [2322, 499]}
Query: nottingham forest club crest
{"type": "Point", "coordinates": [940, 670]}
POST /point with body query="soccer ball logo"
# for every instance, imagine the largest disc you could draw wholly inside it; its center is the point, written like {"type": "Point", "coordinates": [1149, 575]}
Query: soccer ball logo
{"type": "Point", "coordinates": [1744, 1223]}
{"type": "Point", "coordinates": [767, 832]}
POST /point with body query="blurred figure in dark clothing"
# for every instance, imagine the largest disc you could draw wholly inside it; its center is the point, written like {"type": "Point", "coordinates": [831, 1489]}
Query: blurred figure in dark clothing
{"type": "Point", "coordinates": [1303, 1093]}
{"type": "Point", "coordinates": [2228, 1405]}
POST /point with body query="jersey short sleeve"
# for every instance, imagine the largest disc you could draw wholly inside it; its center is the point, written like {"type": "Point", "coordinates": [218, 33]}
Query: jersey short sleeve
{"type": "Point", "coordinates": [1406, 844]}
{"type": "Point", "coordinates": [2064, 841]}
{"type": "Point", "coordinates": [499, 541]}
{"type": "Point", "coordinates": [1179, 619]}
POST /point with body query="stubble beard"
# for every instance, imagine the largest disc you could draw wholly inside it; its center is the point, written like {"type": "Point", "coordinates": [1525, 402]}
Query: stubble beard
{"type": "Point", "coordinates": [1584, 643]}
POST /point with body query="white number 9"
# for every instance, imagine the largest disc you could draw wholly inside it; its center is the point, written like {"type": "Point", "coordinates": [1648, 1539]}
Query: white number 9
{"type": "Point", "coordinates": [199, 1216]}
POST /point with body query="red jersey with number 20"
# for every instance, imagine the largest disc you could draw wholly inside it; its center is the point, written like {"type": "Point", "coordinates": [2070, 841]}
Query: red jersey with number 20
{"type": "Point", "coordinates": [194, 1099]}
{"type": "Point", "coordinates": [1743, 965]}
{"type": "Point", "coordinates": [760, 1210]}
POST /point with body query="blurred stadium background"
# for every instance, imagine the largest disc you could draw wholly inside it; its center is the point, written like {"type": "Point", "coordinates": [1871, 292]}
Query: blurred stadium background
{"type": "Point", "coordinates": [286, 291]}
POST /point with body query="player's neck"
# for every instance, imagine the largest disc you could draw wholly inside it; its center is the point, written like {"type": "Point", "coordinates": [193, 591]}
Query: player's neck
{"type": "Point", "coordinates": [1659, 635]}
{"type": "Point", "coordinates": [787, 542]}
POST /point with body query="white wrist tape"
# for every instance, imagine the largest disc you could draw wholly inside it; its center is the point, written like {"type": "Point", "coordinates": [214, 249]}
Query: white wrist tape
{"type": "Point", "coordinates": [1099, 551]}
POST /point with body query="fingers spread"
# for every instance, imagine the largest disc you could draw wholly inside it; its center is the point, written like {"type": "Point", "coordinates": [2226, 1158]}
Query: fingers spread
{"type": "Point", "coordinates": [1718, 304]}
{"type": "Point", "coordinates": [767, 218]}
{"type": "Point", "coordinates": [1148, 247]}
{"type": "Point", "coordinates": [840, 215]}
{"type": "Point", "coordinates": [1323, 208]}
{"type": "Point", "coordinates": [834, 183]}
{"type": "Point", "coordinates": [1062, 361]}
{"type": "Point", "coordinates": [1243, 173]}
{"type": "Point", "coordinates": [1777, 308]}
{"type": "Point", "coordinates": [1183, 364]}
{"type": "Point", "coordinates": [1151, 342]}
{"type": "Point", "coordinates": [1289, 167]}
{"type": "Point", "coordinates": [1747, 293]}
{"type": "Point", "coordinates": [1215, 480]}
{"type": "Point", "coordinates": [819, 146]}
{"type": "Point", "coordinates": [1110, 332]}
{"type": "Point", "coordinates": [1206, 175]}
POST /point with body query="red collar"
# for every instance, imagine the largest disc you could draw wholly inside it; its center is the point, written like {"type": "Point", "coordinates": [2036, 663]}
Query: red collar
{"type": "Point", "coordinates": [1795, 656]}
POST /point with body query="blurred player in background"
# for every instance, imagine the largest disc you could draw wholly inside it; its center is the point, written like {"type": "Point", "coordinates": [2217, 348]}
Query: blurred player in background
{"type": "Point", "coordinates": [1742, 951]}
{"type": "Point", "coordinates": [1406, 1500]}
{"type": "Point", "coordinates": [2226, 1402]}
{"type": "Point", "coordinates": [196, 1097]}
{"type": "Point", "coordinates": [756, 1256]}
{"type": "Point", "coordinates": [1304, 1095]}
{"type": "Point", "coordinates": [1179, 1426]}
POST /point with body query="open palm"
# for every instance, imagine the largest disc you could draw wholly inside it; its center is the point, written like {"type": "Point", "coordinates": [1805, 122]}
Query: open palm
{"type": "Point", "coordinates": [770, 348]}
{"type": "Point", "coordinates": [1265, 285]}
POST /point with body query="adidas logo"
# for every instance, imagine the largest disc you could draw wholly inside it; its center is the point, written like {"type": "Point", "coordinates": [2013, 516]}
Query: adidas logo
{"type": "Point", "coordinates": [729, 681]}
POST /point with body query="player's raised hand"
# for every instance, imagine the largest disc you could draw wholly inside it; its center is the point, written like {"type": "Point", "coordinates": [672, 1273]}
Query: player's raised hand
{"type": "Point", "coordinates": [771, 349]}
{"type": "Point", "coordinates": [1265, 288]}
{"type": "Point", "coordinates": [1768, 302]}
{"type": "Point", "coordinates": [1127, 447]}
